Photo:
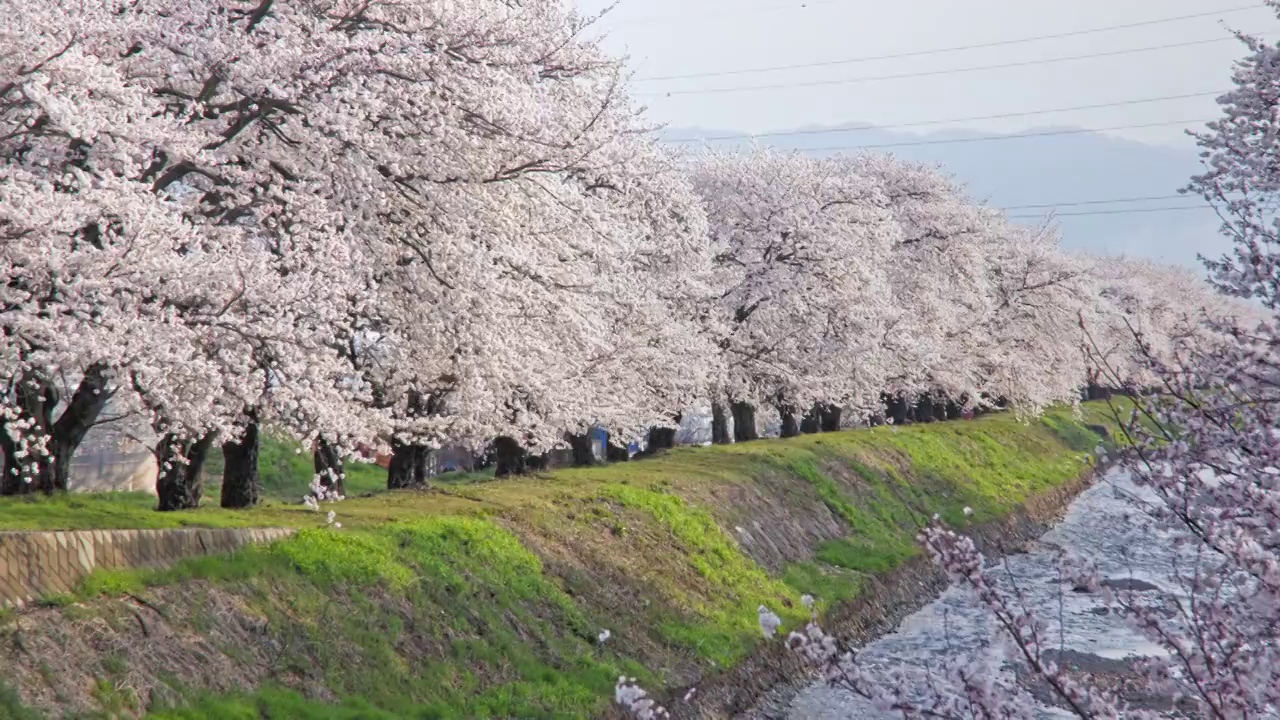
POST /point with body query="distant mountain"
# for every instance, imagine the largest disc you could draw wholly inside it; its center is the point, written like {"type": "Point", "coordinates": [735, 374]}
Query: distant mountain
{"type": "Point", "coordinates": [1051, 169]}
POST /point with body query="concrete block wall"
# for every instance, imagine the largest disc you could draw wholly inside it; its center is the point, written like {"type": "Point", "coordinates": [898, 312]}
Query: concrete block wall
{"type": "Point", "coordinates": [36, 564]}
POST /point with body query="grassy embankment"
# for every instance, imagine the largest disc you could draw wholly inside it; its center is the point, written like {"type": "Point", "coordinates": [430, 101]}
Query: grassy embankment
{"type": "Point", "coordinates": [483, 598]}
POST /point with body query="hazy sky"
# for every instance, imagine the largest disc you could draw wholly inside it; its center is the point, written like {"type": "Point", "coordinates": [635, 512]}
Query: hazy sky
{"type": "Point", "coordinates": [680, 37]}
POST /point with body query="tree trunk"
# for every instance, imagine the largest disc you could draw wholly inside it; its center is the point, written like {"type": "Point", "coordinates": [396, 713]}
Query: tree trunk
{"type": "Point", "coordinates": [408, 466]}
{"type": "Point", "coordinates": [924, 409]}
{"type": "Point", "coordinates": [179, 485]}
{"type": "Point", "coordinates": [535, 463]}
{"type": "Point", "coordinates": [829, 416]}
{"type": "Point", "coordinates": [80, 414]}
{"type": "Point", "coordinates": [10, 472]}
{"type": "Point", "coordinates": [240, 484]}
{"type": "Point", "coordinates": [940, 410]}
{"type": "Point", "coordinates": [812, 421]}
{"type": "Point", "coordinates": [580, 445]}
{"type": "Point", "coordinates": [984, 405]}
{"type": "Point", "coordinates": [720, 424]}
{"type": "Point", "coordinates": [422, 465]}
{"type": "Point", "coordinates": [329, 467]}
{"type": "Point", "coordinates": [744, 422]}
{"type": "Point", "coordinates": [660, 438]}
{"type": "Point", "coordinates": [895, 408]}
{"type": "Point", "coordinates": [616, 453]}
{"type": "Point", "coordinates": [37, 399]}
{"type": "Point", "coordinates": [954, 410]}
{"type": "Point", "coordinates": [13, 480]}
{"type": "Point", "coordinates": [790, 428]}
{"type": "Point", "coordinates": [509, 458]}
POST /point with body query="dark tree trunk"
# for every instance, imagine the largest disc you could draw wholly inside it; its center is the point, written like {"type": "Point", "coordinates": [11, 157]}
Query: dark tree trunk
{"type": "Point", "coordinates": [720, 424]}
{"type": "Point", "coordinates": [830, 417]}
{"type": "Point", "coordinates": [329, 467]}
{"type": "Point", "coordinates": [617, 453]}
{"type": "Point", "coordinates": [534, 463]}
{"type": "Point", "coordinates": [954, 410]}
{"type": "Point", "coordinates": [509, 458]}
{"type": "Point", "coordinates": [408, 466]}
{"type": "Point", "coordinates": [410, 462]}
{"type": "Point", "coordinates": [580, 445]}
{"type": "Point", "coordinates": [179, 485]}
{"type": "Point", "coordinates": [924, 409]}
{"type": "Point", "coordinates": [37, 399]}
{"type": "Point", "coordinates": [896, 407]}
{"type": "Point", "coordinates": [812, 421]}
{"type": "Point", "coordinates": [744, 422]}
{"type": "Point", "coordinates": [240, 485]}
{"type": "Point", "coordinates": [790, 428]}
{"type": "Point", "coordinates": [14, 471]}
{"type": "Point", "coordinates": [423, 465]}
{"type": "Point", "coordinates": [660, 438]}
{"type": "Point", "coordinates": [10, 472]}
{"type": "Point", "coordinates": [940, 410]}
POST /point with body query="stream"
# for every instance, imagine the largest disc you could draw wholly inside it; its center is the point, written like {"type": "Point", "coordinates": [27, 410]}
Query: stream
{"type": "Point", "coordinates": [1104, 525]}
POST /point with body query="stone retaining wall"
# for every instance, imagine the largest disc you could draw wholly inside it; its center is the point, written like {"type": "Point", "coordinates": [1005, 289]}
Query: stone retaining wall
{"type": "Point", "coordinates": [35, 564]}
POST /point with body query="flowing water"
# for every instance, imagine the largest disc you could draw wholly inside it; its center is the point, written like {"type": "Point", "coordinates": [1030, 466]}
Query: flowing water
{"type": "Point", "coordinates": [1104, 525]}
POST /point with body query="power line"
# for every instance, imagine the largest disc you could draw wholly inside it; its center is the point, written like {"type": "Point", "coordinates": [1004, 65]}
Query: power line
{"type": "Point", "coordinates": [928, 73]}
{"type": "Point", "coordinates": [957, 48]}
{"type": "Point", "coordinates": [992, 138]}
{"type": "Point", "coordinates": [1175, 208]}
{"type": "Point", "coordinates": [1099, 202]}
{"type": "Point", "coordinates": [1025, 113]}
{"type": "Point", "coordinates": [646, 19]}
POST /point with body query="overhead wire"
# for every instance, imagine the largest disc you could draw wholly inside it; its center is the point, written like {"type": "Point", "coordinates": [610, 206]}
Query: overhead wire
{"type": "Point", "coordinates": [1124, 211]}
{"type": "Point", "coordinates": [996, 138]}
{"type": "Point", "coordinates": [735, 11]}
{"type": "Point", "coordinates": [1099, 202]}
{"type": "Point", "coordinates": [932, 73]}
{"type": "Point", "coordinates": [920, 123]}
{"type": "Point", "coordinates": [956, 48]}
{"type": "Point", "coordinates": [1051, 207]}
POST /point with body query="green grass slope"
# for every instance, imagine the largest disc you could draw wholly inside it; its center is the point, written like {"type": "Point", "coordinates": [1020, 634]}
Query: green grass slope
{"type": "Point", "coordinates": [485, 598]}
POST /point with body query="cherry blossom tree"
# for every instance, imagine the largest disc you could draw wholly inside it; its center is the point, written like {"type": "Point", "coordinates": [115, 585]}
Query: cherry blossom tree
{"type": "Point", "coordinates": [981, 305]}
{"type": "Point", "coordinates": [224, 297]}
{"type": "Point", "coordinates": [531, 243]}
{"type": "Point", "coordinates": [80, 241]}
{"type": "Point", "coordinates": [1143, 312]}
{"type": "Point", "coordinates": [805, 248]}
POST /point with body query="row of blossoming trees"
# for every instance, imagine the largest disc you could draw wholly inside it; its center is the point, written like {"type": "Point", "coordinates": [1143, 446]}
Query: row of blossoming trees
{"type": "Point", "coordinates": [400, 224]}
{"type": "Point", "coordinates": [1206, 456]}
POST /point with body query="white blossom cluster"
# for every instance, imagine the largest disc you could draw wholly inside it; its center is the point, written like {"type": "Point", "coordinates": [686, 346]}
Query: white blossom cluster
{"type": "Point", "coordinates": [636, 702]}
{"type": "Point", "coordinates": [851, 278]}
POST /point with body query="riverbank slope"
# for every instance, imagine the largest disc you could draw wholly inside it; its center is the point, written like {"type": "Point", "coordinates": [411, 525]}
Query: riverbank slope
{"type": "Point", "coordinates": [488, 599]}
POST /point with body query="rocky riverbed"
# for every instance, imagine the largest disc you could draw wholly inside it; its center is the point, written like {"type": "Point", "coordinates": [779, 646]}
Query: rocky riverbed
{"type": "Point", "coordinates": [1105, 525]}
